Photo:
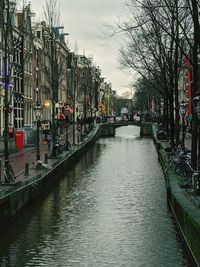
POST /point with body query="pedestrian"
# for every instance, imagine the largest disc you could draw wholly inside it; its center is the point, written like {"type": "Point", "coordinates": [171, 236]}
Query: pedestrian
{"type": "Point", "coordinates": [49, 140]}
{"type": "Point", "coordinates": [67, 145]}
{"type": "Point", "coordinates": [78, 119]}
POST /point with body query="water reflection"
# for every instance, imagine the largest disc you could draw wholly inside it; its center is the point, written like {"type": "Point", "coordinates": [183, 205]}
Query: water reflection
{"type": "Point", "coordinates": [109, 210]}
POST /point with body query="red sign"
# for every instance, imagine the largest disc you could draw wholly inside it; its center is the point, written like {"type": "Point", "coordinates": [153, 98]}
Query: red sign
{"type": "Point", "coordinates": [19, 140]}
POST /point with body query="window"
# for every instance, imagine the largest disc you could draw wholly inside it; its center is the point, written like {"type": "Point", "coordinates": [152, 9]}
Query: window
{"type": "Point", "coordinates": [38, 34]}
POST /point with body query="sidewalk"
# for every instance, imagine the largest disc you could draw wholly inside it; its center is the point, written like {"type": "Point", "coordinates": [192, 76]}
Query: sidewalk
{"type": "Point", "coordinates": [188, 140]}
{"type": "Point", "coordinates": [182, 199]}
{"type": "Point", "coordinates": [28, 155]}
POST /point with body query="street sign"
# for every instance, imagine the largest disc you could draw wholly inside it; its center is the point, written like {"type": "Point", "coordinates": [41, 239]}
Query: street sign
{"type": "Point", "coordinates": [37, 108]}
{"type": "Point", "coordinates": [2, 92]}
{"type": "Point", "coordinates": [61, 104]}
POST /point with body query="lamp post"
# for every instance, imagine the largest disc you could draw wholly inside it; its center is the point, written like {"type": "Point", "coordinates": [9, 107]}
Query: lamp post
{"type": "Point", "coordinates": [196, 105]}
{"type": "Point", "coordinates": [38, 110]}
{"type": "Point", "coordinates": [183, 109]}
{"type": "Point", "coordinates": [81, 128]}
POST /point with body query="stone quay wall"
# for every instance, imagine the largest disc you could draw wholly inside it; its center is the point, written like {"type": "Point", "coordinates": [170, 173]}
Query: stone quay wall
{"type": "Point", "coordinates": [186, 214]}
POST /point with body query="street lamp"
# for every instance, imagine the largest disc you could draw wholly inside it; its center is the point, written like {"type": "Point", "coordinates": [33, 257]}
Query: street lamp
{"type": "Point", "coordinates": [38, 112]}
{"type": "Point", "coordinates": [196, 104]}
{"type": "Point", "coordinates": [183, 109]}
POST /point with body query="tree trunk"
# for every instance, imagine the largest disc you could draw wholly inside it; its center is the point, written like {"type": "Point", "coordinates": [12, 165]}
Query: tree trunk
{"type": "Point", "coordinates": [176, 93]}
{"type": "Point", "coordinates": [171, 107]}
{"type": "Point", "coordinates": [195, 86]}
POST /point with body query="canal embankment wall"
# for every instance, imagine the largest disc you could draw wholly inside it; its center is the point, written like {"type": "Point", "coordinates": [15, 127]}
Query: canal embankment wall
{"type": "Point", "coordinates": [186, 214]}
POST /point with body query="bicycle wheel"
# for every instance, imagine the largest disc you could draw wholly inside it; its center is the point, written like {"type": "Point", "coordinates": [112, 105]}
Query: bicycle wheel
{"type": "Point", "coordinates": [180, 169]}
{"type": "Point", "coordinates": [196, 184]}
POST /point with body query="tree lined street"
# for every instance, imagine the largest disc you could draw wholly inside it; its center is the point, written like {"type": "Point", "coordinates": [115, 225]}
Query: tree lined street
{"type": "Point", "coordinates": [44, 85]}
{"type": "Point", "coordinates": [163, 48]}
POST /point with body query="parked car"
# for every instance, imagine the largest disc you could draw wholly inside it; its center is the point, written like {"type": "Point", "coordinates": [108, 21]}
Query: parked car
{"type": "Point", "coordinates": [111, 118]}
{"type": "Point", "coordinates": [136, 117]}
{"type": "Point", "coordinates": [125, 117]}
{"type": "Point", "coordinates": [118, 118]}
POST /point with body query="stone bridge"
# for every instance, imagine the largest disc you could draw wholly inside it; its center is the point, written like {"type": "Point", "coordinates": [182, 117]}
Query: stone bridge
{"type": "Point", "coordinates": [108, 129]}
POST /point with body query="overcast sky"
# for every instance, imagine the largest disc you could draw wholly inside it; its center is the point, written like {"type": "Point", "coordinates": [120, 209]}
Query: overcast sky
{"type": "Point", "coordinates": [84, 21]}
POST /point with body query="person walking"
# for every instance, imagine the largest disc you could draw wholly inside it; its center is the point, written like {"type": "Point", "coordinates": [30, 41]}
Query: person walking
{"type": "Point", "coordinates": [49, 138]}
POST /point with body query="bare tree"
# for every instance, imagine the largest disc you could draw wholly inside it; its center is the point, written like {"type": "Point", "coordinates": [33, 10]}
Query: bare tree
{"type": "Point", "coordinates": [196, 82]}
{"type": "Point", "coordinates": [57, 61]}
{"type": "Point", "coordinates": [156, 35]}
{"type": "Point", "coordinates": [7, 72]}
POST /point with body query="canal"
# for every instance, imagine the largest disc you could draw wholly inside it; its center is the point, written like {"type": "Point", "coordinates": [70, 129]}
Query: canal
{"type": "Point", "coordinates": [109, 209]}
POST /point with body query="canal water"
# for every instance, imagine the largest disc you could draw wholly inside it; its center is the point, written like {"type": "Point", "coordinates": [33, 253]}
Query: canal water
{"type": "Point", "coordinates": [108, 210]}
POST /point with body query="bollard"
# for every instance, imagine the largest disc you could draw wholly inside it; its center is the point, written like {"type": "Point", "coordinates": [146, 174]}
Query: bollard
{"type": "Point", "coordinates": [26, 173]}
{"type": "Point", "coordinates": [0, 170]}
{"type": "Point", "coordinates": [46, 158]}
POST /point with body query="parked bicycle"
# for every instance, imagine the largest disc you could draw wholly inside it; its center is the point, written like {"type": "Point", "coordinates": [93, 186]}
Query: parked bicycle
{"type": "Point", "coordinates": [57, 147]}
{"type": "Point", "coordinates": [177, 157]}
{"type": "Point", "coordinates": [193, 181]}
{"type": "Point", "coordinates": [182, 166]}
{"type": "Point", "coordinates": [9, 173]}
{"type": "Point", "coordinates": [190, 177]}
